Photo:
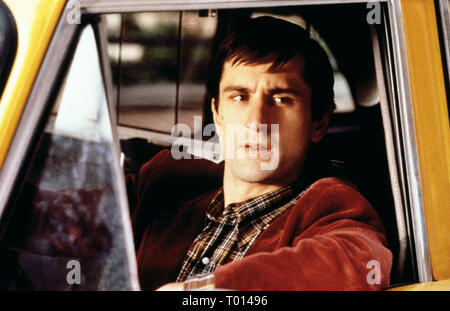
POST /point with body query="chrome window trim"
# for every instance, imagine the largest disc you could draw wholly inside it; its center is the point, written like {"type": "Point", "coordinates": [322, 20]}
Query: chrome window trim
{"type": "Point", "coordinates": [119, 6]}
{"type": "Point", "coordinates": [391, 152]}
{"type": "Point", "coordinates": [444, 7]}
{"type": "Point", "coordinates": [400, 190]}
{"type": "Point", "coordinates": [102, 42]}
{"type": "Point", "coordinates": [409, 143]}
{"type": "Point", "coordinates": [389, 71]}
{"type": "Point", "coordinates": [119, 181]}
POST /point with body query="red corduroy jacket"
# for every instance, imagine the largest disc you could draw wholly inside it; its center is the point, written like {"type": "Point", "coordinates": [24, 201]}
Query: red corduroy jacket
{"type": "Point", "coordinates": [331, 239]}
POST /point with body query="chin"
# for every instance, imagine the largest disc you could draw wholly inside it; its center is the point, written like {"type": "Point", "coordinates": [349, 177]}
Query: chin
{"type": "Point", "coordinates": [251, 171]}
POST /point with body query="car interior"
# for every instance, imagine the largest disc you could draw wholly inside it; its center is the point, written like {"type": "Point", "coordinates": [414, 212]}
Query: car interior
{"type": "Point", "coordinates": [355, 138]}
{"type": "Point", "coordinates": [159, 63]}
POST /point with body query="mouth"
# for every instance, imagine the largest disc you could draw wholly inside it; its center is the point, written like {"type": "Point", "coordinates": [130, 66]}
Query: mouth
{"type": "Point", "coordinates": [256, 147]}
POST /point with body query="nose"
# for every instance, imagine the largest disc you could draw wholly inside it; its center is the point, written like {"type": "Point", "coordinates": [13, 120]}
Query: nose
{"type": "Point", "coordinates": [258, 113]}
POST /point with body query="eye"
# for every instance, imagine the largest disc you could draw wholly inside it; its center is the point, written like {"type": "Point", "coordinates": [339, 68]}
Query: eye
{"type": "Point", "coordinates": [239, 98]}
{"type": "Point", "coordinates": [282, 100]}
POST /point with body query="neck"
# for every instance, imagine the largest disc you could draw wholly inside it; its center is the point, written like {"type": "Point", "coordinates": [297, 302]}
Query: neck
{"type": "Point", "coordinates": [236, 190]}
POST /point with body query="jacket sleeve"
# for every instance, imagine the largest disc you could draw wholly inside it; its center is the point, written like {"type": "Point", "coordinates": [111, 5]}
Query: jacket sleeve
{"type": "Point", "coordinates": [164, 183]}
{"type": "Point", "coordinates": [332, 240]}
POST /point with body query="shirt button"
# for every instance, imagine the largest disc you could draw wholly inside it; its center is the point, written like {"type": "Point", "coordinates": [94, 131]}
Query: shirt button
{"type": "Point", "coordinates": [205, 260]}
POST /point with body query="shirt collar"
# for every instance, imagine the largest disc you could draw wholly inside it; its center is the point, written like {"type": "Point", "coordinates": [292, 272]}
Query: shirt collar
{"type": "Point", "coordinates": [247, 210]}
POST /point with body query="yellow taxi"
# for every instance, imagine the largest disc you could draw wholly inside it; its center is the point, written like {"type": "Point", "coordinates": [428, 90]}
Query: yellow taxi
{"type": "Point", "coordinates": [92, 89]}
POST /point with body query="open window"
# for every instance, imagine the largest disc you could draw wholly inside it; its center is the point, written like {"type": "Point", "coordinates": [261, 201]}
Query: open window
{"type": "Point", "coordinates": [153, 60]}
{"type": "Point", "coordinates": [159, 61]}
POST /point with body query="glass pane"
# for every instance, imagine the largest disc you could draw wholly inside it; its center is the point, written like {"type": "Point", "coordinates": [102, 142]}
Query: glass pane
{"type": "Point", "coordinates": [146, 70]}
{"type": "Point", "coordinates": [67, 231]}
{"type": "Point", "coordinates": [198, 31]}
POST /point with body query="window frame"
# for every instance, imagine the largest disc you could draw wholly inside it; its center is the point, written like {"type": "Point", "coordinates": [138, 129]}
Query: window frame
{"type": "Point", "coordinates": [402, 115]}
{"type": "Point", "coordinates": [432, 127]}
{"type": "Point", "coordinates": [401, 109]}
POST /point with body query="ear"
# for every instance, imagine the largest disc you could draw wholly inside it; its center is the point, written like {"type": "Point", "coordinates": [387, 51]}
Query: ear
{"type": "Point", "coordinates": [216, 117]}
{"type": "Point", "coordinates": [217, 122]}
{"type": "Point", "coordinates": [320, 127]}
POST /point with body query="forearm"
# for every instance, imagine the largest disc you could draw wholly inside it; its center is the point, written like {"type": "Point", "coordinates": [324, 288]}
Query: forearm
{"type": "Point", "coordinates": [326, 262]}
{"type": "Point", "coordinates": [202, 282]}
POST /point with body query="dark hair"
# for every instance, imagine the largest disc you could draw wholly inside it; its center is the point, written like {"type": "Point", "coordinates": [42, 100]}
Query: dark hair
{"type": "Point", "coordinates": [267, 39]}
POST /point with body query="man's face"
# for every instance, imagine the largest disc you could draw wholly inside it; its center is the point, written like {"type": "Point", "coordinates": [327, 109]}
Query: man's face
{"type": "Point", "coordinates": [250, 96]}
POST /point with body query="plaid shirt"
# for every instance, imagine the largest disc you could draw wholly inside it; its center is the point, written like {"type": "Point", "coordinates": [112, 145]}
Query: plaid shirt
{"type": "Point", "coordinates": [229, 232]}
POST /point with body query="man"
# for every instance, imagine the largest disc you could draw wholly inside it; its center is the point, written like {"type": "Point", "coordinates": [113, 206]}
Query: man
{"type": "Point", "coordinates": [287, 226]}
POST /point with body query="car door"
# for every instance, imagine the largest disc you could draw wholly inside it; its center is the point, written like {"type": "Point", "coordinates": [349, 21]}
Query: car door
{"type": "Point", "coordinates": [65, 222]}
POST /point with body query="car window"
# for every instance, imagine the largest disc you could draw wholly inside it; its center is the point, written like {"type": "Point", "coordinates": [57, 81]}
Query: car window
{"type": "Point", "coordinates": [360, 134]}
{"type": "Point", "coordinates": [67, 230]}
{"type": "Point", "coordinates": [159, 63]}
{"type": "Point", "coordinates": [8, 43]}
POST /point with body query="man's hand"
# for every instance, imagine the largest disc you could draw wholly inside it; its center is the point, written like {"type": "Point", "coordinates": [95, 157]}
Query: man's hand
{"type": "Point", "coordinates": [177, 286]}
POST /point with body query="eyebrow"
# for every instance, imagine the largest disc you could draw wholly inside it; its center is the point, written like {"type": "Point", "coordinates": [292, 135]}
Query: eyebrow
{"type": "Point", "coordinates": [288, 90]}
{"type": "Point", "coordinates": [236, 88]}
{"type": "Point", "coordinates": [278, 90]}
